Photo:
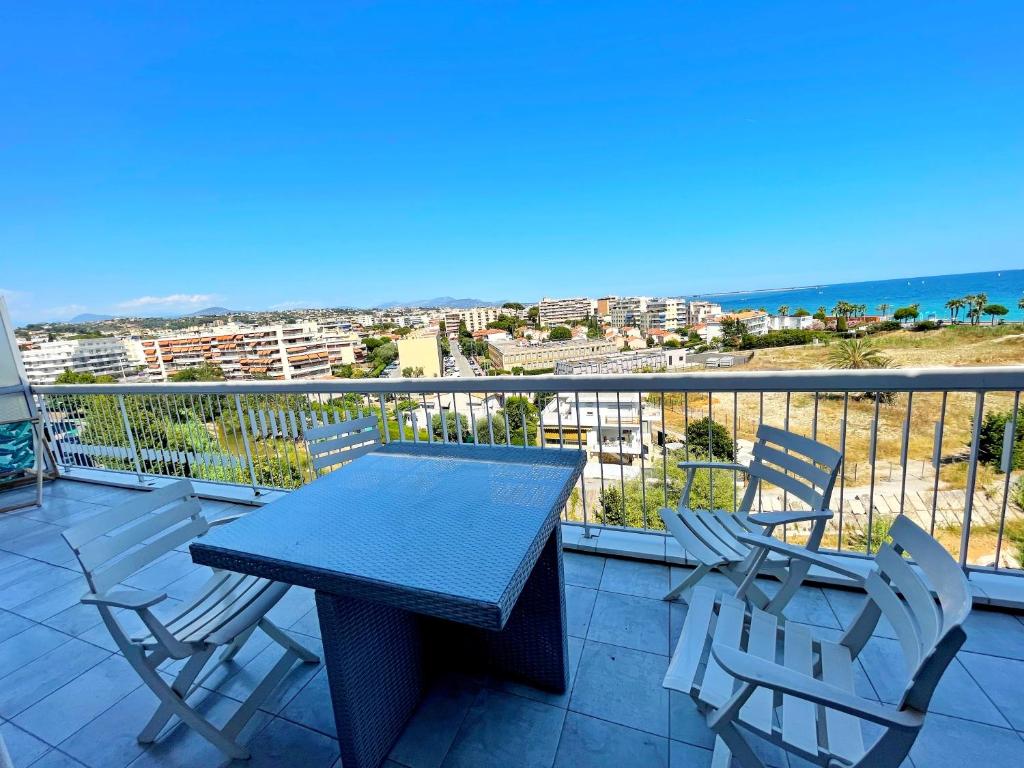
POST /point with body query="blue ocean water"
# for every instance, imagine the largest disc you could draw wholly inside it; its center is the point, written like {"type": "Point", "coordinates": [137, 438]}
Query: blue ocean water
{"type": "Point", "coordinates": [932, 293]}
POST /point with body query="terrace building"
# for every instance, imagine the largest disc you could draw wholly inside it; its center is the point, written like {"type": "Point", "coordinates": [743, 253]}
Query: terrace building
{"type": "Point", "coordinates": [537, 356]}
{"type": "Point", "coordinates": [46, 360]}
{"type": "Point", "coordinates": [564, 311]}
{"type": "Point", "coordinates": [475, 318]}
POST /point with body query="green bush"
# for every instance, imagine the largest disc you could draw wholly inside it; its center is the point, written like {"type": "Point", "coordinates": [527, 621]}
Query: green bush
{"type": "Point", "coordinates": [785, 338]}
{"type": "Point", "coordinates": [990, 444]}
{"type": "Point", "coordinates": [722, 448]}
{"type": "Point", "coordinates": [927, 325]}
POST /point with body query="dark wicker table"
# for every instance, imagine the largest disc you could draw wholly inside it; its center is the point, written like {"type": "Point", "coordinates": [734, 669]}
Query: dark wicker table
{"type": "Point", "coordinates": [423, 557]}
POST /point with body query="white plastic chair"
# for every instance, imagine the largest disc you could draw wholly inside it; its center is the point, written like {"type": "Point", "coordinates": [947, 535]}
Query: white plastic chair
{"type": "Point", "coordinates": [331, 445]}
{"type": "Point", "coordinates": [804, 469]}
{"type": "Point", "coordinates": [752, 674]}
{"type": "Point", "coordinates": [115, 544]}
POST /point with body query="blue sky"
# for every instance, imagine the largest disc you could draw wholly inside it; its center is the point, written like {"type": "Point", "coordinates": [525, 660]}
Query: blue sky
{"type": "Point", "coordinates": [161, 157]}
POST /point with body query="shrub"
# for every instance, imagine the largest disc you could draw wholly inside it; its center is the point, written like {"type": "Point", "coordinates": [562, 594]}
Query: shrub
{"type": "Point", "coordinates": [884, 325]}
{"type": "Point", "coordinates": [722, 448]}
{"type": "Point", "coordinates": [990, 443]}
{"type": "Point", "coordinates": [926, 325]}
{"type": "Point", "coordinates": [784, 338]}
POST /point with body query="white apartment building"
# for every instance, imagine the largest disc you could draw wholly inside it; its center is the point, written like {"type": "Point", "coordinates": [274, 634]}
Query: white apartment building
{"type": "Point", "coordinates": [667, 313]}
{"type": "Point", "coordinates": [561, 311]}
{"type": "Point", "coordinates": [476, 318]}
{"type": "Point", "coordinates": [46, 360]}
{"type": "Point", "coordinates": [534, 356]}
{"type": "Point", "coordinates": [282, 352]}
{"type": "Point", "coordinates": [702, 311]}
{"type": "Point", "coordinates": [790, 322]}
{"type": "Point", "coordinates": [343, 347]}
{"type": "Point", "coordinates": [598, 421]}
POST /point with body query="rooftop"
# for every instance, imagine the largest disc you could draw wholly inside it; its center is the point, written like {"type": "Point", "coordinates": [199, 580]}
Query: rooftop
{"type": "Point", "coordinates": [68, 698]}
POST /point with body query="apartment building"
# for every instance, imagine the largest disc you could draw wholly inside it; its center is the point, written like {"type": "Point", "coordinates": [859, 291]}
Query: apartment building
{"type": "Point", "coordinates": [641, 361]}
{"type": "Point", "coordinates": [614, 427]}
{"type": "Point", "coordinates": [606, 304]}
{"type": "Point", "coordinates": [343, 347]}
{"type": "Point", "coordinates": [46, 360]}
{"type": "Point", "coordinates": [282, 352]}
{"type": "Point", "coordinates": [757, 322]}
{"type": "Point", "coordinates": [702, 311]}
{"type": "Point", "coordinates": [666, 313]}
{"type": "Point", "coordinates": [790, 322]}
{"type": "Point", "coordinates": [420, 350]}
{"type": "Point", "coordinates": [519, 354]}
{"type": "Point", "coordinates": [476, 318]}
{"type": "Point", "coordinates": [562, 311]}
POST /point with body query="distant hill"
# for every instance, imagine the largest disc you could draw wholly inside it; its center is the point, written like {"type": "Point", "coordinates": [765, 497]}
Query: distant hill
{"type": "Point", "coordinates": [89, 317]}
{"type": "Point", "coordinates": [210, 311]}
{"type": "Point", "coordinates": [440, 301]}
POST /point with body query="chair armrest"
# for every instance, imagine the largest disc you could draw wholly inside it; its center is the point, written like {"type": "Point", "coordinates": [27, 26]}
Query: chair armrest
{"type": "Point", "coordinates": [784, 518]}
{"type": "Point", "coordinates": [814, 558]}
{"type": "Point", "coordinates": [761, 672]}
{"type": "Point", "coordinates": [135, 599]}
{"type": "Point", "coordinates": [227, 519]}
{"type": "Point", "coordinates": [711, 465]}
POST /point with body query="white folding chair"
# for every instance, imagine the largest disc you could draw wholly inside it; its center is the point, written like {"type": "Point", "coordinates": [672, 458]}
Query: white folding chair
{"type": "Point", "coordinates": [331, 445]}
{"type": "Point", "coordinates": [756, 677]}
{"type": "Point", "coordinates": [805, 469]}
{"type": "Point", "coordinates": [115, 544]}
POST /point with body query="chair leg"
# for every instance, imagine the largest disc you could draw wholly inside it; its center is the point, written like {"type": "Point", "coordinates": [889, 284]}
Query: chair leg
{"type": "Point", "coordinates": [287, 642]}
{"type": "Point", "coordinates": [731, 741]}
{"type": "Point", "coordinates": [698, 573]}
{"type": "Point", "coordinates": [235, 645]}
{"type": "Point", "coordinates": [180, 687]}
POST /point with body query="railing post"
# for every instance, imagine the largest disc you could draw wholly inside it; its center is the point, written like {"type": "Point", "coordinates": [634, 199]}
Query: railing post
{"type": "Point", "coordinates": [245, 442]}
{"type": "Point", "coordinates": [131, 439]}
{"type": "Point", "coordinates": [972, 476]}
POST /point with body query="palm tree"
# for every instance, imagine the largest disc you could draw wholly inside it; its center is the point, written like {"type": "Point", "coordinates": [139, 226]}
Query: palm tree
{"type": "Point", "coordinates": [976, 301]}
{"type": "Point", "coordinates": [857, 354]}
{"type": "Point", "coordinates": [883, 309]}
{"type": "Point", "coordinates": [954, 306]}
{"type": "Point", "coordinates": [784, 310]}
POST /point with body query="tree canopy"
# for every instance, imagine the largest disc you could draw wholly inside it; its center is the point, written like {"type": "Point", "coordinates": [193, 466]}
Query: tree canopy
{"type": "Point", "coordinates": [560, 333]}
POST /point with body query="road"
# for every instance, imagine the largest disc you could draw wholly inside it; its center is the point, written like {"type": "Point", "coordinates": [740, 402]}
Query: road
{"type": "Point", "coordinates": [461, 363]}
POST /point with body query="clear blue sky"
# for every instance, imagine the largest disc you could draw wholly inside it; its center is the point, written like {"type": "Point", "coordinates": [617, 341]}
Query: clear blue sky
{"type": "Point", "coordinates": [154, 159]}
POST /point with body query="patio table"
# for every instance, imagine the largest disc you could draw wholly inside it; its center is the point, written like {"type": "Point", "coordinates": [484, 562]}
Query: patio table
{"type": "Point", "coordinates": [422, 556]}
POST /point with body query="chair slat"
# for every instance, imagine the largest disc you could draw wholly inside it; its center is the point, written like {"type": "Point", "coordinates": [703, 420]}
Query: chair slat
{"type": "Point", "coordinates": [343, 441]}
{"type": "Point", "coordinates": [113, 574]}
{"type": "Point", "coordinates": [919, 600]}
{"type": "Point", "coordinates": [104, 522]}
{"type": "Point", "coordinates": [799, 721]}
{"type": "Point", "coordinates": [949, 583]}
{"type": "Point", "coordinates": [682, 670]}
{"type": "Point", "coordinates": [705, 526]}
{"type": "Point", "coordinates": [330, 459]}
{"type": "Point", "coordinates": [99, 551]}
{"type": "Point", "coordinates": [762, 635]}
{"type": "Point", "coordinates": [843, 730]}
{"type": "Point", "coordinates": [820, 452]}
{"type": "Point", "coordinates": [318, 433]}
{"type": "Point", "coordinates": [690, 543]}
{"type": "Point", "coordinates": [246, 593]}
{"type": "Point", "coordinates": [793, 463]}
{"type": "Point", "coordinates": [898, 615]}
{"type": "Point", "coordinates": [717, 686]}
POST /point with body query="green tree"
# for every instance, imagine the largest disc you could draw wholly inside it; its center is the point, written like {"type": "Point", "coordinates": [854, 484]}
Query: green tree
{"type": "Point", "coordinates": [560, 333]}
{"type": "Point", "coordinates": [201, 372]}
{"type": "Point", "coordinates": [413, 373]}
{"type": "Point", "coordinates": [801, 312]}
{"type": "Point", "coordinates": [512, 305]}
{"type": "Point", "coordinates": [883, 309]}
{"type": "Point", "coordinates": [821, 315]}
{"type": "Point", "coordinates": [905, 314]}
{"type": "Point", "coordinates": [672, 344]}
{"type": "Point", "coordinates": [69, 376]}
{"type": "Point", "coordinates": [993, 432]}
{"type": "Point", "coordinates": [446, 427]}
{"type": "Point", "coordinates": [856, 354]}
{"type": "Point", "coordinates": [697, 438]}
{"type": "Point", "coordinates": [954, 306]}
{"type": "Point", "coordinates": [994, 310]}
{"type": "Point", "coordinates": [533, 314]}
{"type": "Point", "coordinates": [784, 310]}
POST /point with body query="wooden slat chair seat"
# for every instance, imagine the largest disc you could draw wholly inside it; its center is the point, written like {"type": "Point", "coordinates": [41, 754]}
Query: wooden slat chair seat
{"type": "Point", "coordinates": [222, 615]}
{"type": "Point", "coordinates": [331, 445]}
{"type": "Point", "coordinates": [756, 676]}
{"type": "Point", "coordinates": [805, 469]}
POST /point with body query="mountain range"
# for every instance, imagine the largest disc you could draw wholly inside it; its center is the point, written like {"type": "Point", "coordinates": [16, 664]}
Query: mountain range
{"type": "Point", "coordinates": [441, 301]}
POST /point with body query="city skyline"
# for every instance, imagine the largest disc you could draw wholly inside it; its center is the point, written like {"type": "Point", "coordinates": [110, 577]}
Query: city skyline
{"type": "Point", "coordinates": [157, 161]}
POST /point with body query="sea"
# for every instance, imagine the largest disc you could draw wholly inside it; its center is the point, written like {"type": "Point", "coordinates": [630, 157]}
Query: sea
{"type": "Point", "coordinates": [931, 292]}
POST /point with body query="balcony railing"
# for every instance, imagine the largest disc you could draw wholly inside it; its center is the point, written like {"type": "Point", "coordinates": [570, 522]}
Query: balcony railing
{"type": "Point", "coordinates": [942, 445]}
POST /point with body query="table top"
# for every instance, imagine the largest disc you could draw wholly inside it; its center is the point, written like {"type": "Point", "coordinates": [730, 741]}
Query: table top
{"type": "Point", "coordinates": [442, 529]}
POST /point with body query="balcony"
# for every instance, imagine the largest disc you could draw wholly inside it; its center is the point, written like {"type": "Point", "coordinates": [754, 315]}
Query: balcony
{"type": "Point", "coordinates": [66, 695]}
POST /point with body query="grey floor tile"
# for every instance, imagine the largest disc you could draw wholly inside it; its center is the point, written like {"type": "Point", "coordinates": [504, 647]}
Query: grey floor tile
{"type": "Point", "coordinates": [631, 622]}
{"type": "Point", "coordinates": [51, 603]}
{"type": "Point", "coordinates": [296, 603]}
{"type": "Point", "coordinates": [579, 605]}
{"type": "Point", "coordinates": [10, 559]}
{"type": "Point", "coordinates": [948, 742]}
{"type": "Point", "coordinates": [26, 646]}
{"type": "Point", "coordinates": [1002, 680]}
{"type": "Point", "coordinates": [432, 728]}
{"type": "Point", "coordinates": [601, 744]}
{"type": "Point", "coordinates": [75, 620]}
{"type": "Point", "coordinates": [39, 678]}
{"type": "Point", "coordinates": [846, 604]}
{"type": "Point", "coordinates": [999, 634]}
{"type": "Point", "coordinates": [24, 582]}
{"type": "Point", "coordinates": [308, 625]}
{"type": "Point", "coordinates": [630, 577]}
{"type": "Point", "coordinates": [240, 684]}
{"type": "Point", "coordinates": [622, 685]}
{"type": "Point", "coordinates": [79, 701]}
{"type": "Point", "coordinates": [312, 706]}
{"type": "Point", "coordinates": [109, 740]}
{"type": "Point", "coordinates": [12, 624]}
{"type": "Point", "coordinates": [23, 747]}
{"type": "Point", "coordinates": [688, 756]}
{"type": "Point", "coordinates": [582, 570]}
{"type": "Point", "coordinates": [505, 730]}
{"type": "Point", "coordinates": [56, 759]}
{"type": "Point", "coordinates": [957, 694]}
{"type": "Point", "coordinates": [687, 724]}
{"type": "Point", "coordinates": [283, 744]}
{"type": "Point", "coordinates": [807, 606]}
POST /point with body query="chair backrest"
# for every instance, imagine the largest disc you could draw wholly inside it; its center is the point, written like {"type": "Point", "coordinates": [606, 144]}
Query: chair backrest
{"type": "Point", "coordinates": [802, 467]}
{"type": "Point", "coordinates": [930, 633]}
{"type": "Point", "coordinates": [333, 444]}
{"type": "Point", "coordinates": [113, 545]}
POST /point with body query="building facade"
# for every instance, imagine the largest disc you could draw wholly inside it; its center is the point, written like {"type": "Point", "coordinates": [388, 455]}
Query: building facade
{"type": "Point", "coordinates": [562, 311]}
{"type": "Point", "coordinates": [702, 311]}
{"type": "Point", "coordinates": [517, 354]}
{"type": "Point", "coordinates": [46, 360]}
{"type": "Point", "coordinates": [476, 318]}
{"type": "Point", "coordinates": [643, 361]}
{"type": "Point", "coordinates": [281, 352]}
{"type": "Point", "coordinates": [614, 427]}
{"type": "Point", "coordinates": [420, 350]}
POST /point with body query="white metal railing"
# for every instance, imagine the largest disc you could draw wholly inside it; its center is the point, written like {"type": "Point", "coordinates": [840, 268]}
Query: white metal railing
{"type": "Point", "coordinates": [942, 445]}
